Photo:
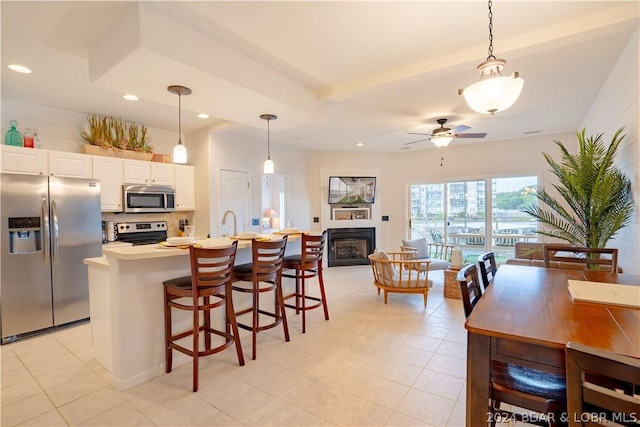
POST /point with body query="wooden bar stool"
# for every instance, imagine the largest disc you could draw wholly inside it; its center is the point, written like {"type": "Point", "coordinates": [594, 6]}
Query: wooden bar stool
{"type": "Point", "coordinates": [306, 266]}
{"type": "Point", "coordinates": [211, 275]}
{"type": "Point", "coordinates": [264, 274]}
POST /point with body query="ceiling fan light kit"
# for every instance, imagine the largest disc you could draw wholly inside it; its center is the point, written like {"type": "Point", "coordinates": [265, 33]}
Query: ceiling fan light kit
{"type": "Point", "coordinates": [494, 92]}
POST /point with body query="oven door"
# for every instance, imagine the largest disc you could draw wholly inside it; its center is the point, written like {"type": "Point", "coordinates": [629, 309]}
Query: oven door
{"type": "Point", "coordinates": [147, 199]}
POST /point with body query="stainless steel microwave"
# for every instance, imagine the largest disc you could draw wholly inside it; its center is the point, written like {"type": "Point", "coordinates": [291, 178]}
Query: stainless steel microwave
{"type": "Point", "coordinates": [148, 198]}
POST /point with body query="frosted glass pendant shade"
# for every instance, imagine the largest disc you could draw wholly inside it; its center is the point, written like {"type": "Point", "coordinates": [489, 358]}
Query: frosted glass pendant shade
{"type": "Point", "coordinates": [179, 153]}
{"type": "Point", "coordinates": [268, 166]}
{"type": "Point", "coordinates": [495, 94]}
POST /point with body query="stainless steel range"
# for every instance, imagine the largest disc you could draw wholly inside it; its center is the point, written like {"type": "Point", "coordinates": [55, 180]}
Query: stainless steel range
{"type": "Point", "coordinates": [142, 233]}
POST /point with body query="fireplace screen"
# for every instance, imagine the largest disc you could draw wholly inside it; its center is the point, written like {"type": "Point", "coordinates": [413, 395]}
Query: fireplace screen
{"type": "Point", "coordinates": [350, 246]}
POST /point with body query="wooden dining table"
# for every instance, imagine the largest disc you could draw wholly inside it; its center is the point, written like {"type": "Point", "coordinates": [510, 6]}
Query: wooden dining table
{"type": "Point", "coordinates": [527, 316]}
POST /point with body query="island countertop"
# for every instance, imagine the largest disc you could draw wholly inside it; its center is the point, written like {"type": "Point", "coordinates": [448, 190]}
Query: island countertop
{"type": "Point", "coordinates": [132, 253]}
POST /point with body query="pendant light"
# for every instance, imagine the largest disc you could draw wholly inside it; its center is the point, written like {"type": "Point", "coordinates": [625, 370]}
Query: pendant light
{"type": "Point", "coordinates": [179, 150]}
{"type": "Point", "coordinates": [494, 92]}
{"type": "Point", "coordinates": [268, 164]}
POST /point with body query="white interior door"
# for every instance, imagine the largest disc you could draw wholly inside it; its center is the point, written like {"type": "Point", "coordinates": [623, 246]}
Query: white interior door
{"type": "Point", "coordinates": [235, 195]}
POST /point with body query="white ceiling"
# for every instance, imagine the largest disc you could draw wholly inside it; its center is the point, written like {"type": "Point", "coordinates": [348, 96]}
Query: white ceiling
{"type": "Point", "coordinates": [333, 72]}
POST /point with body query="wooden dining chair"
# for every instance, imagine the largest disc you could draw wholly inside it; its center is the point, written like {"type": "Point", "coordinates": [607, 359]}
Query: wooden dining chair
{"type": "Point", "coordinates": [525, 387]}
{"type": "Point", "coordinates": [304, 266]}
{"type": "Point", "coordinates": [470, 289]}
{"type": "Point", "coordinates": [488, 268]}
{"type": "Point", "coordinates": [263, 274]}
{"type": "Point", "coordinates": [208, 287]}
{"type": "Point", "coordinates": [562, 256]}
{"type": "Point", "coordinates": [601, 387]}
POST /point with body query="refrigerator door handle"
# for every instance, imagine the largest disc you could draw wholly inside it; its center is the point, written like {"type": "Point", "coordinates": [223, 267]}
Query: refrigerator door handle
{"type": "Point", "coordinates": [54, 235]}
{"type": "Point", "coordinates": [45, 232]}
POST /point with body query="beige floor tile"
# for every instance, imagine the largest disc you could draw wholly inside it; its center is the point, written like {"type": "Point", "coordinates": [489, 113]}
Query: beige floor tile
{"type": "Point", "coordinates": [92, 405]}
{"type": "Point", "coordinates": [15, 375]}
{"type": "Point", "coordinates": [439, 384]}
{"type": "Point", "coordinates": [344, 378]}
{"type": "Point", "coordinates": [220, 419]}
{"type": "Point", "coordinates": [383, 392]}
{"type": "Point", "coordinates": [462, 397]}
{"type": "Point", "coordinates": [457, 336]}
{"type": "Point", "coordinates": [123, 415]}
{"type": "Point", "coordinates": [290, 415]}
{"type": "Point", "coordinates": [423, 342]}
{"type": "Point", "coordinates": [412, 356]}
{"type": "Point", "coordinates": [56, 377]}
{"type": "Point", "coordinates": [400, 420]}
{"type": "Point", "coordinates": [48, 419]}
{"type": "Point", "coordinates": [25, 409]}
{"type": "Point", "coordinates": [400, 372]}
{"type": "Point", "coordinates": [363, 361]}
{"type": "Point", "coordinates": [379, 347]}
{"type": "Point", "coordinates": [458, 416]}
{"type": "Point", "coordinates": [448, 365]}
{"type": "Point", "coordinates": [453, 349]}
{"type": "Point", "coordinates": [427, 407]}
{"type": "Point", "coordinates": [31, 357]}
{"type": "Point", "coordinates": [19, 391]}
{"type": "Point", "coordinates": [62, 361]}
{"type": "Point", "coordinates": [392, 335]}
{"type": "Point", "coordinates": [187, 411]}
{"type": "Point", "coordinates": [75, 389]}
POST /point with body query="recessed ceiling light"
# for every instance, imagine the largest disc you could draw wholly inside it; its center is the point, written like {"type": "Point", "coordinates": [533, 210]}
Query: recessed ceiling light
{"type": "Point", "coordinates": [360, 144]}
{"type": "Point", "coordinates": [203, 116]}
{"type": "Point", "coordinates": [20, 68]}
{"type": "Point", "coordinates": [129, 97]}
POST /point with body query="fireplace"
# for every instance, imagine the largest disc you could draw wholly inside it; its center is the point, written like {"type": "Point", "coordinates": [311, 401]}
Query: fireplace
{"type": "Point", "coordinates": [350, 246]}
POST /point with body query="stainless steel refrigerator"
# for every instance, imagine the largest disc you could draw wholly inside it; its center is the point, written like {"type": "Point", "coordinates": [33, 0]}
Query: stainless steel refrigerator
{"type": "Point", "coordinates": [49, 225]}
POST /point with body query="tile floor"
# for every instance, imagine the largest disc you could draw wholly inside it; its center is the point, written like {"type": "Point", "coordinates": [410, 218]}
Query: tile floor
{"type": "Point", "coordinates": [372, 364]}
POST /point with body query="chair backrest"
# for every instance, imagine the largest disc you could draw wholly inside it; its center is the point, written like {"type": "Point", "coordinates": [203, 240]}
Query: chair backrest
{"type": "Point", "coordinates": [436, 236]}
{"type": "Point", "coordinates": [267, 258]}
{"type": "Point", "coordinates": [604, 259]}
{"type": "Point", "coordinates": [470, 289]}
{"type": "Point", "coordinates": [440, 251]}
{"type": "Point", "coordinates": [211, 266]}
{"type": "Point", "coordinates": [312, 250]}
{"type": "Point", "coordinates": [488, 268]}
{"type": "Point", "coordinates": [600, 385]}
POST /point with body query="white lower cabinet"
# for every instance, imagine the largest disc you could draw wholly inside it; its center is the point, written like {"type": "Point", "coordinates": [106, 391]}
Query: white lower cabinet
{"type": "Point", "coordinates": [185, 188]}
{"type": "Point", "coordinates": [110, 172]}
{"type": "Point", "coordinates": [22, 160]}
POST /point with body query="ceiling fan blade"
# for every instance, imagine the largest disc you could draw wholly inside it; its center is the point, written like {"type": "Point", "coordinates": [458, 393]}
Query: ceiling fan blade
{"type": "Point", "coordinates": [460, 128]}
{"type": "Point", "coordinates": [471, 135]}
{"type": "Point", "coordinates": [413, 142]}
{"type": "Point", "coordinates": [418, 133]}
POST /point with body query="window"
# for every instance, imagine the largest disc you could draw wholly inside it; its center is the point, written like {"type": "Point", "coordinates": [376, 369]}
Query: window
{"type": "Point", "coordinates": [475, 216]}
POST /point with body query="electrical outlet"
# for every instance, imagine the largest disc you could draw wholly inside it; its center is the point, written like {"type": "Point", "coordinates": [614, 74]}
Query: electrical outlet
{"type": "Point", "coordinates": [385, 217]}
{"type": "Point", "coordinates": [316, 219]}
{"type": "Point", "coordinates": [255, 221]}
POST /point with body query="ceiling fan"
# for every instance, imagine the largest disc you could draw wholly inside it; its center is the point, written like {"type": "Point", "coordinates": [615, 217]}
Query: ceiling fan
{"type": "Point", "coordinates": [442, 136]}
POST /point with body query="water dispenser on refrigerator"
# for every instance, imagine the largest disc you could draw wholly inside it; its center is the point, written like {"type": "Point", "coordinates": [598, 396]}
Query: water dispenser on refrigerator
{"type": "Point", "coordinates": [25, 235]}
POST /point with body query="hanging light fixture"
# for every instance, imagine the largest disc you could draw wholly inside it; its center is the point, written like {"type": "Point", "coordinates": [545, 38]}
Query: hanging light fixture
{"type": "Point", "coordinates": [441, 140]}
{"type": "Point", "coordinates": [179, 150]}
{"type": "Point", "coordinates": [494, 92]}
{"type": "Point", "coordinates": [268, 164]}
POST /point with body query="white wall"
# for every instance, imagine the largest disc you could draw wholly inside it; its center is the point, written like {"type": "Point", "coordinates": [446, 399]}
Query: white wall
{"type": "Point", "coordinates": [60, 130]}
{"type": "Point", "coordinates": [228, 151]}
{"type": "Point", "coordinates": [617, 106]}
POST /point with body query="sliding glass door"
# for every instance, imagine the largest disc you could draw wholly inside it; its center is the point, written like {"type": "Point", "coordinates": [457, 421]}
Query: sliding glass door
{"type": "Point", "coordinates": [475, 216]}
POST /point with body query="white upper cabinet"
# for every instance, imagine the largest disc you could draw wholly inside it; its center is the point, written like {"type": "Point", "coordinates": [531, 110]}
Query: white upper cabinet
{"type": "Point", "coordinates": [24, 160]}
{"type": "Point", "coordinates": [137, 172]}
{"type": "Point", "coordinates": [185, 188]}
{"type": "Point", "coordinates": [162, 174]}
{"type": "Point", "coordinates": [110, 172]}
{"type": "Point", "coordinates": [71, 165]}
{"type": "Point", "coordinates": [148, 173]}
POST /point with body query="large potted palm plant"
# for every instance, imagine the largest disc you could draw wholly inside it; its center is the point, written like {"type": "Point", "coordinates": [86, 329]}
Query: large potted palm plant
{"type": "Point", "coordinates": [596, 199]}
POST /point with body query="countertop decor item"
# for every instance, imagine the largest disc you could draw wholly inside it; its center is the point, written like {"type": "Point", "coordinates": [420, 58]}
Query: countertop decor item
{"type": "Point", "coordinates": [13, 137]}
{"type": "Point", "coordinates": [179, 150]}
{"type": "Point", "coordinates": [114, 137]}
{"type": "Point", "coordinates": [596, 197]}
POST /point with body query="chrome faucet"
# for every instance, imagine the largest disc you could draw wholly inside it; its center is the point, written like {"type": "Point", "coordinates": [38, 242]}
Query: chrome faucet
{"type": "Point", "coordinates": [235, 222]}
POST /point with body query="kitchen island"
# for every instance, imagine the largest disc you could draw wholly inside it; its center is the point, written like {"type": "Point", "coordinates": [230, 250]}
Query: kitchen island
{"type": "Point", "coordinates": [127, 305]}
